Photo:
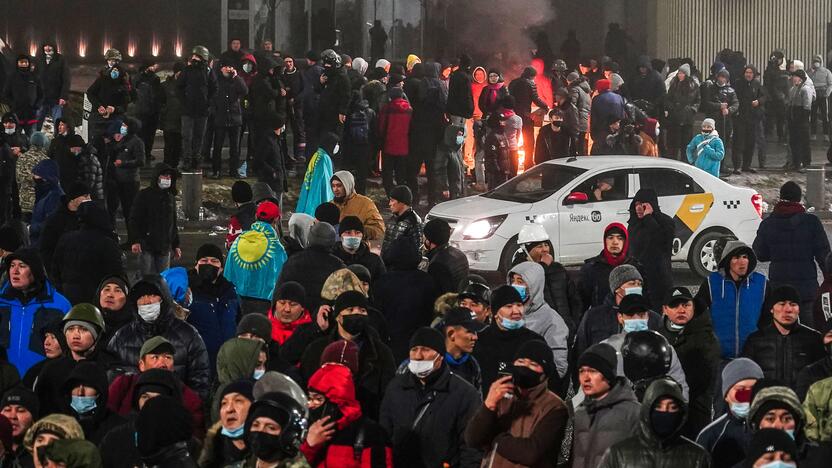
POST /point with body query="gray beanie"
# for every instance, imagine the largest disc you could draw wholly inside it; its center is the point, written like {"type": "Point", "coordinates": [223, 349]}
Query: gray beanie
{"type": "Point", "coordinates": [83, 324]}
{"type": "Point", "coordinates": [322, 234]}
{"type": "Point", "coordinates": [737, 370]}
{"type": "Point", "coordinates": [623, 273]}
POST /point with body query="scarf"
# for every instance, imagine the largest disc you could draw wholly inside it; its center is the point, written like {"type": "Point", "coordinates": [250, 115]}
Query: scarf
{"type": "Point", "coordinates": [282, 331]}
{"type": "Point", "coordinates": [788, 208]}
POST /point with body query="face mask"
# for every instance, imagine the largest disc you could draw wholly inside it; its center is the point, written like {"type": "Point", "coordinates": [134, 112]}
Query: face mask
{"type": "Point", "coordinates": [674, 327]}
{"type": "Point", "coordinates": [150, 312]}
{"type": "Point", "coordinates": [123, 131]}
{"type": "Point", "coordinates": [227, 75]}
{"type": "Point", "coordinates": [83, 404]}
{"type": "Point", "coordinates": [208, 273]}
{"type": "Point", "coordinates": [779, 464]}
{"type": "Point", "coordinates": [815, 65]}
{"type": "Point", "coordinates": [420, 369]}
{"type": "Point", "coordinates": [509, 324]}
{"type": "Point", "coordinates": [9, 131]}
{"type": "Point", "coordinates": [740, 410]}
{"type": "Point", "coordinates": [790, 432]}
{"type": "Point", "coordinates": [164, 184]}
{"type": "Point", "coordinates": [665, 424]}
{"type": "Point", "coordinates": [258, 373]}
{"type": "Point", "coordinates": [634, 325]}
{"type": "Point", "coordinates": [351, 242]}
{"type": "Point", "coordinates": [460, 140]}
{"type": "Point", "coordinates": [234, 433]}
{"type": "Point", "coordinates": [336, 148]}
{"type": "Point", "coordinates": [524, 377]}
{"type": "Point", "coordinates": [114, 74]}
{"type": "Point", "coordinates": [634, 290]}
{"type": "Point", "coordinates": [247, 67]}
{"type": "Point", "coordinates": [522, 290]}
{"type": "Point", "coordinates": [354, 324]}
{"type": "Point", "coordinates": [265, 446]}
{"type": "Point", "coordinates": [706, 132]}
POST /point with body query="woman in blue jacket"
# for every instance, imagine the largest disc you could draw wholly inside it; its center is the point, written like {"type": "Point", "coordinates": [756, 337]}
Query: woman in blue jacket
{"type": "Point", "coordinates": [706, 150]}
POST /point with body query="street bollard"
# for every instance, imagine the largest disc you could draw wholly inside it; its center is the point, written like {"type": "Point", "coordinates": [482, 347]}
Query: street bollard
{"type": "Point", "coordinates": [192, 194]}
{"type": "Point", "coordinates": [815, 194]}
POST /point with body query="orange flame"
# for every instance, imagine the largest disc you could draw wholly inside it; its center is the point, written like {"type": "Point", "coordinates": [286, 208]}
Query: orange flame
{"type": "Point", "coordinates": [521, 154]}
{"type": "Point", "coordinates": [33, 48]}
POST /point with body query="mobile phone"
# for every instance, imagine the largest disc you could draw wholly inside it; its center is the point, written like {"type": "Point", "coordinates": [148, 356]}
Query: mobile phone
{"type": "Point", "coordinates": [504, 373]}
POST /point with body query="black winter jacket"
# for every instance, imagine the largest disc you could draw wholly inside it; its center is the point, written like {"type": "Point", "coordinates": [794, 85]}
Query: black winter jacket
{"type": "Point", "coordinates": [460, 95]}
{"type": "Point", "coordinates": [268, 105]}
{"type": "Point", "coordinates": [525, 94]}
{"type": "Point", "coordinates": [648, 87]}
{"type": "Point", "coordinates": [130, 150]}
{"type": "Point", "coordinates": [448, 266]}
{"type": "Point", "coordinates": [747, 92]}
{"type": "Point", "coordinates": [495, 351]}
{"type": "Point", "coordinates": [594, 279]}
{"type": "Point", "coordinates": [446, 403]}
{"type": "Point", "coordinates": [651, 243]}
{"type": "Point", "coordinates": [55, 78]}
{"type": "Point", "coordinates": [190, 358]}
{"type": "Point", "coordinates": [682, 101]}
{"type": "Point", "coordinates": [226, 102]}
{"type": "Point", "coordinates": [105, 91]}
{"type": "Point", "coordinates": [148, 94]}
{"type": "Point", "coordinates": [310, 267]}
{"type": "Point", "coordinates": [23, 94]}
{"type": "Point", "coordinates": [152, 220]}
{"type": "Point", "coordinates": [408, 226]}
{"type": "Point", "coordinates": [57, 224]}
{"type": "Point", "coordinates": [818, 370]}
{"type": "Point", "coordinates": [171, 116]}
{"type": "Point", "coordinates": [335, 98]}
{"type": "Point", "coordinates": [363, 256]}
{"type": "Point", "coordinates": [713, 96]}
{"type": "Point", "coordinates": [197, 87]}
{"type": "Point", "coordinates": [782, 356]}
{"type": "Point", "coordinates": [726, 439]}
{"type": "Point", "coordinates": [601, 322]}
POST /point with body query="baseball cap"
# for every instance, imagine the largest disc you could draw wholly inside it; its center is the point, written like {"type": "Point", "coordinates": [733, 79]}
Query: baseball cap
{"type": "Point", "coordinates": [677, 295]}
{"type": "Point", "coordinates": [463, 317]}
{"type": "Point", "coordinates": [156, 345]}
{"type": "Point", "coordinates": [633, 304]}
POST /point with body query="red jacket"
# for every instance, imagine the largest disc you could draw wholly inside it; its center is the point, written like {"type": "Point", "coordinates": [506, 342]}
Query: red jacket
{"type": "Point", "coordinates": [335, 382]}
{"type": "Point", "coordinates": [120, 401]}
{"type": "Point", "coordinates": [283, 331]}
{"type": "Point", "coordinates": [394, 127]}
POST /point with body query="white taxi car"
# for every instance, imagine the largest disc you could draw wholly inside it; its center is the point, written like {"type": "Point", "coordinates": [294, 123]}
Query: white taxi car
{"type": "Point", "coordinates": [576, 198]}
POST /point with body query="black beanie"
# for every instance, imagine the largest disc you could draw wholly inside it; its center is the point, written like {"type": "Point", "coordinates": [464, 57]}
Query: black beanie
{"type": "Point", "coordinates": [768, 441]}
{"type": "Point", "coordinates": [209, 250]}
{"type": "Point", "coordinates": [790, 191]}
{"type": "Point", "coordinates": [350, 299]}
{"type": "Point", "coordinates": [437, 231]}
{"type": "Point", "coordinates": [24, 397]}
{"type": "Point", "coordinates": [256, 324]}
{"type": "Point", "coordinates": [402, 194]}
{"type": "Point", "coordinates": [161, 381]}
{"type": "Point", "coordinates": [75, 190]}
{"type": "Point", "coordinates": [350, 223]}
{"type": "Point", "coordinates": [10, 238]}
{"type": "Point", "coordinates": [163, 421]}
{"type": "Point", "coordinates": [362, 272]}
{"type": "Point", "coordinates": [602, 358]}
{"type": "Point", "coordinates": [241, 192]}
{"type": "Point", "coordinates": [504, 295]}
{"type": "Point", "coordinates": [429, 338]}
{"type": "Point", "coordinates": [291, 291]}
{"type": "Point", "coordinates": [784, 293]}
{"type": "Point", "coordinates": [328, 213]}
{"type": "Point", "coordinates": [539, 352]}
{"type": "Point", "coordinates": [244, 387]}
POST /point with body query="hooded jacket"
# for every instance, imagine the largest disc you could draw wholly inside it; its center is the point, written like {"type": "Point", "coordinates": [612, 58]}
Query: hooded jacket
{"type": "Point", "coordinates": [525, 94]}
{"type": "Point", "coordinates": [84, 257]}
{"type": "Point", "coordinates": [429, 101]}
{"type": "Point", "coordinates": [360, 206]}
{"type": "Point", "coordinates": [97, 422]}
{"type": "Point", "coordinates": [23, 93]}
{"type": "Point", "coordinates": [460, 96]}
{"type": "Point", "coordinates": [48, 195]}
{"type": "Point", "coordinates": [706, 152]}
{"type": "Point", "coordinates": [106, 91]}
{"type": "Point", "coordinates": [190, 359]}
{"type": "Point", "coordinates": [299, 226]}
{"type": "Point", "coordinates": [648, 87]}
{"type": "Point", "coordinates": [394, 127]}
{"type": "Point", "coordinates": [334, 97]}
{"type": "Point", "coordinates": [822, 78]}
{"type": "Point", "coordinates": [651, 243]}
{"type": "Point", "coordinates": [254, 261]}
{"type": "Point", "coordinates": [683, 99]}
{"type": "Point", "coordinates": [153, 215]}
{"type": "Point", "coordinates": [130, 151]}
{"type": "Point", "coordinates": [599, 424]}
{"type": "Point", "coordinates": [311, 267]}
{"type": "Point", "coordinates": [197, 86]}
{"type": "Point", "coordinates": [540, 318]}
{"type": "Point", "coordinates": [54, 75]}
{"type": "Point", "coordinates": [647, 448]}
{"type": "Point", "coordinates": [23, 314]}
{"type": "Point", "coordinates": [214, 310]}
{"type": "Point", "coordinates": [73, 453]}
{"type": "Point", "coordinates": [594, 279]}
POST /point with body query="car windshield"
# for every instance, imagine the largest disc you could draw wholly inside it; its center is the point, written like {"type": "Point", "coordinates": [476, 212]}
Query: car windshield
{"type": "Point", "coordinates": [536, 184]}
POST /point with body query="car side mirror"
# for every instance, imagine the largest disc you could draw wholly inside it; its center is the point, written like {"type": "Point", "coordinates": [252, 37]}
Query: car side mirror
{"type": "Point", "coordinates": [576, 198]}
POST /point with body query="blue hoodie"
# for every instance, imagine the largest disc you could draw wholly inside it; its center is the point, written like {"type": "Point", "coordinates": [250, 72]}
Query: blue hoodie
{"type": "Point", "coordinates": [48, 195]}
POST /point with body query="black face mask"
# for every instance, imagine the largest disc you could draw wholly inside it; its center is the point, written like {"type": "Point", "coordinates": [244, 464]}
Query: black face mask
{"type": "Point", "coordinates": [354, 324]}
{"type": "Point", "coordinates": [265, 446]}
{"type": "Point", "coordinates": [524, 377]}
{"type": "Point", "coordinates": [828, 349]}
{"type": "Point", "coordinates": [664, 424]}
{"type": "Point", "coordinates": [208, 273]}
{"type": "Point", "coordinates": [327, 409]}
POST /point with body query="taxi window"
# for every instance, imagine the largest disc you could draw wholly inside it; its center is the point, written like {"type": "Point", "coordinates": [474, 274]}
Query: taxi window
{"type": "Point", "coordinates": [606, 186]}
{"type": "Point", "coordinates": [668, 182]}
{"type": "Point", "coordinates": [537, 183]}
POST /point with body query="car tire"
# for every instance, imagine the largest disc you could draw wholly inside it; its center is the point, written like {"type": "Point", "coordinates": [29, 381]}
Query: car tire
{"type": "Point", "coordinates": [508, 255]}
{"type": "Point", "coordinates": [701, 257]}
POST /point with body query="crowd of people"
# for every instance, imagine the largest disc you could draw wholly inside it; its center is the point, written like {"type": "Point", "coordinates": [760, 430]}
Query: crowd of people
{"type": "Point", "coordinates": [352, 341]}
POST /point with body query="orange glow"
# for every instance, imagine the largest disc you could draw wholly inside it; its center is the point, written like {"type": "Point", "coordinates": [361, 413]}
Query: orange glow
{"type": "Point", "coordinates": [177, 47]}
{"type": "Point", "coordinates": [33, 48]}
{"type": "Point", "coordinates": [131, 47]}
{"type": "Point", "coordinates": [82, 47]}
{"type": "Point", "coordinates": [544, 85]}
{"type": "Point", "coordinates": [106, 45]}
{"type": "Point", "coordinates": [521, 154]}
{"type": "Point", "coordinates": [155, 46]}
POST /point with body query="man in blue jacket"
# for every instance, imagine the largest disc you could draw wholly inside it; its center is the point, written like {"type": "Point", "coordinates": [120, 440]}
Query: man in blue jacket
{"type": "Point", "coordinates": [28, 303]}
{"type": "Point", "coordinates": [606, 106]}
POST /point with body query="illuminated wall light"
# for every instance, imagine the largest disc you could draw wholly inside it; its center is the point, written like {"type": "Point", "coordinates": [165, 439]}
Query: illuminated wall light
{"type": "Point", "coordinates": [106, 45]}
{"type": "Point", "coordinates": [155, 46]}
{"type": "Point", "coordinates": [33, 49]}
{"type": "Point", "coordinates": [131, 48]}
{"type": "Point", "coordinates": [177, 47]}
{"type": "Point", "coordinates": [82, 47]}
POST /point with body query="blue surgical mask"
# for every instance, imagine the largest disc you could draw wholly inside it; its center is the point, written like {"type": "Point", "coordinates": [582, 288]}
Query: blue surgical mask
{"type": "Point", "coordinates": [114, 73]}
{"type": "Point", "coordinates": [522, 291]}
{"type": "Point", "coordinates": [790, 432]}
{"type": "Point", "coordinates": [258, 373]}
{"type": "Point", "coordinates": [740, 410]}
{"type": "Point", "coordinates": [633, 290]}
{"type": "Point", "coordinates": [634, 325]}
{"type": "Point", "coordinates": [460, 140]}
{"type": "Point", "coordinates": [778, 464]}
{"type": "Point", "coordinates": [234, 433]}
{"type": "Point", "coordinates": [83, 404]}
{"type": "Point", "coordinates": [123, 131]}
{"type": "Point", "coordinates": [509, 324]}
{"type": "Point", "coordinates": [351, 242]}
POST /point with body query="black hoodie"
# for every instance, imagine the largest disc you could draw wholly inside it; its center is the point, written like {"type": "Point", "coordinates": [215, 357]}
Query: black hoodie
{"type": "Point", "coordinates": [651, 244]}
{"type": "Point", "coordinates": [106, 91]}
{"type": "Point", "coordinates": [23, 93]}
{"type": "Point", "coordinates": [97, 422]}
{"type": "Point", "coordinates": [153, 216]}
{"type": "Point", "coordinates": [54, 76]}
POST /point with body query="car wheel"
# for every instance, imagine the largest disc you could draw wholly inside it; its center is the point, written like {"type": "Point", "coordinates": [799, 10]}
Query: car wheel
{"type": "Point", "coordinates": [701, 258]}
{"type": "Point", "coordinates": [508, 255]}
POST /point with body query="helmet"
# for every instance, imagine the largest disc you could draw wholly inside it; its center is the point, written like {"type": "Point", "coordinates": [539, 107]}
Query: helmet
{"type": "Point", "coordinates": [112, 54]}
{"type": "Point", "coordinates": [276, 391]}
{"type": "Point", "coordinates": [559, 65]}
{"type": "Point", "coordinates": [477, 292]}
{"type": "Point", "coordinates": [86, 313]}
{"type": "Point", "coordinates": [330, 58]}
{"type": "Point", "coordinates": [201, 52]}
{"type": "Point", "coordinates": [532, 233]}
{"type": "Point", "coordinates": [646, 355]}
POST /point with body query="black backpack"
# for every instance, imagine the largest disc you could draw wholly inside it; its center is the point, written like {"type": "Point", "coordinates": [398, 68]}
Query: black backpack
{"type": "Point", "coordinates": [359, 126]}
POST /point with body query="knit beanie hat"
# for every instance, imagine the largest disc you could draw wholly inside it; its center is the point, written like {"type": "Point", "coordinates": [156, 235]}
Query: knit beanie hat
{"type": "Point", "coordinates": [75, 190]}
{"type": "Point", "coordinates": [10, 238]}
{"type": "Point", "coordinates": [602, 85]}
{"type": "Point", "coordinates": [328, 213]}
{"type": "Point", "coordinates": [622, 274]}
{"type": "Point", "coordinates": [429, 338]}
{"type": "Point", "coordinates": [322, 234]}
{"type": "Point", "coordinates": [784, 293]}
{"type": "Point", "coordinates": [350, 223]}
{"type": "Point", "coordinates": [241, 192]}
{"type": "Point", "coordinates": [161, 381]}
{"type": "Point", "coordinates": [342, 352]}
{"type": "Point", "coordinates": [790, 191]}
{"type": "Point", "coordinates": [708, 123]}
{"type": "Point", "coordinates": [24, 397]}
{"type": "Point", "coordinates": [256, 324]}
{"type": "Point", "coordinates": [769, 441]}
{"type": "Point", "coordinates": [350, 299]}
{"type": "Point", "coordinates": [291, 291]}
{"type": "Point", "coordinates": [163, 421]}
{"type": "Point", "coordinates": [539, 352]}
{"type": "Point", "coordinates": [361, 272]}
{"type": "Point", "coordinates": [502, 296]}
{"type": "Point", "coordinates": [437, 231]}
{"type": "Point", "coordinates": [601, 357]}
{"type": "Point", "coordinates": [402, 194]}
{"type": "Point", "coordinates": [94, 331]}
{"type": "Point", "coordinates": [572, 76]}
{"type": "Point", "coordinates": [209, 250]}
{"type": "Point", "coordinates": [737, 370]}
{"type": "Point", "coordinates": [244, 387]}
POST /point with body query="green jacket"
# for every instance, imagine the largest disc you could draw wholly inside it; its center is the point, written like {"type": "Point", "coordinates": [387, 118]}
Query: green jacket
{"type": "Point", "coordinates": [298, 462]}
{"type": "Point", "coordinates": [818, 408]}
{"type": "Point", "coordinates": [74, 453]}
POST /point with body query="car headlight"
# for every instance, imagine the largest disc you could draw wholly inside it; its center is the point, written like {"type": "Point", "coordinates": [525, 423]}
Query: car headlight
{"type": "Point", "coordinates": [483, 228]}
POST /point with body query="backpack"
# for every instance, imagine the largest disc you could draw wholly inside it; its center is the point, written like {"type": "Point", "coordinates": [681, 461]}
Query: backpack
{"type": "Point", "coordinates": [359, 127]}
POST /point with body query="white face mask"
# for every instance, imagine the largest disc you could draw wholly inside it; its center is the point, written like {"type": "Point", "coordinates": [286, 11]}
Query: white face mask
{"type": "Point", "coordinates": [164, 183]}
{"type": "Point", "coordinates": [9, 131]}
{"type": "Point", "coordinates": [420, 369]}
{"type": "Point", "coordinates": [336, 148]}
{"type": "Point", "coordinates": [150, 312]}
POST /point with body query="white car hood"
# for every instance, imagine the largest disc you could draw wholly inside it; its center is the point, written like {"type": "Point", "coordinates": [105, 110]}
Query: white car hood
{"type": "Point", "coordinates": [477, 207]}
